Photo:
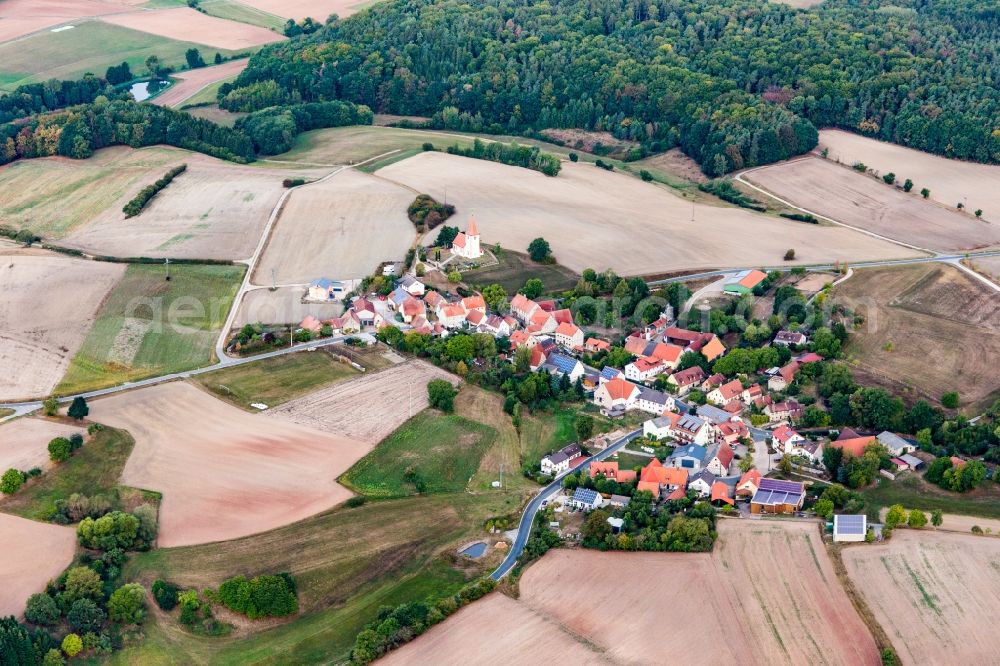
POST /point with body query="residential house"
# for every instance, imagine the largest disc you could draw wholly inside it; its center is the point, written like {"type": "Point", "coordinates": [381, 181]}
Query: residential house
{"type": "Point", "coordinates": [897, 445]}
{"type": "Point", "coordinates": [784, 438]}
{"type": "Point", "coordinates": [713, 382]}
{"type": "Point", "coordinates": [748, 483]}
{"type": "Point", "coordinates": [726, 393]}
{"type": "Point", "coordinates": [685, 380]}
{"type": "Point", "coordinates": [411, 308]}
{"type": "Point", "coordinates": [326, 290]}
{"type": "Point", "coordinates": [616, 394]}
{"type": "Point", "coordinates": [474, 302]}
{"type": "Point", "coordinates": [569, 336]}
{"type": "Point", "coordinates": [731, 432]}
{"type": "Point", "coordinates": [523, 308]}
{"type": "Point", "coordinates": [366, 313]}
{"type": "Point", "coordinates": [784, 377]}
{"type": "Point", "coordinates": [539, 355]}
{"type": "Point", "coordinates": [723, 491]}
{"type": "Point", "coordinates": [520, 339]}
{"type": "Point", "coordinates": [656, 328]}
{"type": "Point", "coordinates": [851, 443]}
{"type": "Point", "coordinates": [718, 458]}
{"type": "Point", "coordinates": [434, 300]}
{"type": "Point", "coordinates": [586, 499]}
{"type": "Point", "coordinates": [708, 344]}
{"type": "Point", "coordinates": [701, 482]}
{"type": "Point", "coordinates": [788, 410]}
{"type": "Point", "coordinates": [311, 324]}
{"type": "Point", "coordinates": [451, 315]}
{"type": "Point", "coordinates": [663, 482]}
{"type": "Point", "coordinates": [653, 401]}
{"type": "Point", "coordinates": [560, 364]}
{"type": "Point", "coordinates": [563, 316]}
{"type": "Point", "coordinates": [397, 297]}
{"type": "Point", "coordinates": [347, 323]}
{"type": "Point", "coordinates": [790, 338]}
{"type": "Point", "coordinates": [744, 282]}
{"type": "Point", "coordinates": [667, 353]}
{"type": "Point", "coordinates": [594, 345]}
{"type": "Point", "coordinates": [608, 373]}
{"type": "Point", "coordinates": [636, 345]}
{"type": "Point", "coordinates": [688, 456]}
{"type": "Point", "coordinates": [644, 369]}
{"type": "Point", "coordinates": [712, 414]}
{"type": "Point", "coordinates": [610, 471]}
{"type": "Point", "coordinates": [541, 322]}
{"type": "Point", "coordinates": [774, 496]}
{"type": "Point", "coordinates": [412, 285]}
{"type": "Point", "coordinates": [562, 460]}
{"type": "Point", "coordinates": [497, 326]}
{"type": "Point", "coordinates": [811, 450]}
{"type": "Point", "coordinates": [751, 394]}
{"type": "Point", "coordinates": [475, 319]}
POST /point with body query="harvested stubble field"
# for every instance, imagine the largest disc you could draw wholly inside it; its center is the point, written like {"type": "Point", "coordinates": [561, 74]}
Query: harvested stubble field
{"type": "Point", "coordinates": [23, 17]}
{"type": "Point", "coordinates": [585, 211]}
{"type": "Point", "coordinates": [224, 473]}
{"type": "Point", "coordinates": [950, 181]}
{"type": "Point", "coordinates": [282, 306]}
{"type": "Point", "coordinates": [90, 46]}
{"type": "Point", "coordinates": [341, 228]}
{"type": "Point", "coordinates": [24, 442]}
{"type": "Point", "coordinates": [932, 593]}
{"type": "Point", "coordinates": [317, 9]}
{"type": "Point", "coordinates": [148, 326]}
{"type": "Point", "coordinates": [32, 554]}
{"type": "Point", "coordinates": [921, 313]}
{"type": "Point", "coordinates": [350, 145]}
{"type": "Point", "coordinates": [367, 408]}
{"type": "Point", "coordinates": [760, 613]}
{"type": "Point", "coordinates": [48, 302]}
{"type": "Point", "coordinates": [184, 23]}
{"type": "Point", "coordinates": [844, 195]}
{"type": "Point", "coordinates": [190, 83]}
{"type": "Point", "coordinates": [989, 266]}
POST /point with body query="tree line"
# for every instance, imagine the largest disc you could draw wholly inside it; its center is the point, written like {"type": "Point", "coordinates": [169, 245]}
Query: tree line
{"type": "Point", "coordinates": [734, 83]}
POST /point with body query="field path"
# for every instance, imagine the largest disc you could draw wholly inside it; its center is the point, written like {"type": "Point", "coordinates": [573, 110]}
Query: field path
{"type": "Point", "coordinates": [191, 82]}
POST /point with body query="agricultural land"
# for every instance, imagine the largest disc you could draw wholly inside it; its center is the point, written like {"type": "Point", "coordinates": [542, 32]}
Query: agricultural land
{"type": "Point", "coordinates": [316, 9]}
{"type": "Point", "coordinates": [585, 211]}
{"type": "Point", "coordinates": [930, 592]}
{"type": "Point", "coordinates": [184, 23]}
{"type": "Point", "coordinates": [194, 81]}
{"type": "Point", "coordinates": [33, 553]}
{"type": "Point", "coordinates": [950, 181]}
{"type": "Point", "coordinates": [842, 194]}
{"type": "Point", "coordinates": [919, 324]}
{"type": "Point", "coordinates": [39, 342]}
{"type": "Point", "coordinates": [23, 442]}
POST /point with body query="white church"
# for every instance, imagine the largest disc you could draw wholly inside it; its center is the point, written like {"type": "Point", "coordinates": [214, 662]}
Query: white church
{"type": "Point", "coordinates": [466, 244]}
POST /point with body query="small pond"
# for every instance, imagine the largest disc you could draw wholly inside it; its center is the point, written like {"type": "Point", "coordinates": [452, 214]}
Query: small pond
{"type": "Point", "coordinates": [143, 90]}
{"type": "Point", "coordinates": [475, 551]}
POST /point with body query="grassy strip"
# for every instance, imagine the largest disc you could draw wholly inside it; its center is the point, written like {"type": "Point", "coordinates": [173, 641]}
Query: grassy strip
{"type": "Point", "coordinates": [860, 605]}
{"type": "Point", "coordinates": [277, 380]}
{"type": "Point", "coordinates": [430, 453]}
{"type": "Point", "coordinates": [914, 493]}
{"type": "Point", "coordinates": [93, 470]}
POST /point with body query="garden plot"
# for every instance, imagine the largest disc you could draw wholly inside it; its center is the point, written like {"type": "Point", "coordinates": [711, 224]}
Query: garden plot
{"type": "Point", "coordinates": [48, 303]}
{"type": "Point", "coordinates": [33, 553]}
{"type": "Point", "coordinates": [598, 219]}
{"type": "Point", "coordinates": [341, 228]}
{"type": "Point", "coordinates": [367, 408]}
{"type": "Point", "coordinates": [184, 23]}
{"type": "Point", "coordinates": [224, 473]}
{"type": "Point", "coordinates": [24, 442]}
{"type": "Point", "coordinates": [823, 187]}
{"type": "Point", "coordinates": [734, 604]}
{"type": "Point", "coordinates": [950, 181]}
{"type": "Point", "coordinates": [932, 593]}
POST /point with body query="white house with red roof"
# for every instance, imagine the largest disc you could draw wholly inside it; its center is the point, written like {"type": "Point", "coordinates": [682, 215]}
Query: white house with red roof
{"type": "Point", "coordinates": [466, 244]}
{"type": "Point", "coordinates": [541, 323]}
{"type": "Point", "coordinates": [725, 394]}
{"type": "Point", "coordinates": [451, 315]}
{"type": "Point", "coordinates": [522, 307]}
{"type": "Point", "coordinates": [475, 302]}
{"type": "Point", "coordinates": [685, 380]}
{"type": "Point", "coordinates": [411, 308]}
{"type": "Point", "coordinates": [784, 438]}
{"type": "Point", "coordinates": [644, 369]}
{"type": "Point", "coordinates": [617, 393]}
{"type": "Point", "coordinates": [569, 336]}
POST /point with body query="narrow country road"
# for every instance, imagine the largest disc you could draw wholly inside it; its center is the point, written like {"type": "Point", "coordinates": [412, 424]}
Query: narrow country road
{"type": "Point", "coordinates": [528, 517]}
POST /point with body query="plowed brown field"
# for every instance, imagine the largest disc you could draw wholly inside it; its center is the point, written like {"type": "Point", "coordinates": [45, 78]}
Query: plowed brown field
{"type": "Point", "coordinates": [32, 554]}
{"type": "Point", "coordinates": [186, 24]}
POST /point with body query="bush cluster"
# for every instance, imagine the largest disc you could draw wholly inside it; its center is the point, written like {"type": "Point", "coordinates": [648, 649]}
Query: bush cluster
{"type": "Point", "coordinates": [427, 213]}
{"type": "Point", "coordinates": [529, 157]}
{"type": "Point", "coordinates": [262, 596]}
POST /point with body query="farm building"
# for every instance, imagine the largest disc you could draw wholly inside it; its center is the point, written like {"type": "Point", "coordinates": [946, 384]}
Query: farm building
{"type": "Point", "coordinates": [327, 290]}
{"type": "Point", "coordinates": [774, 496]}
{"type": "Point", "coordinates": [744, 282]}
{"type": "Point", "coordinates": [849, 527]}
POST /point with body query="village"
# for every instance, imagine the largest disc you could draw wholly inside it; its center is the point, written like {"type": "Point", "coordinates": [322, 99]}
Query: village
{"type": "Point", "coordinates": [705, 436]}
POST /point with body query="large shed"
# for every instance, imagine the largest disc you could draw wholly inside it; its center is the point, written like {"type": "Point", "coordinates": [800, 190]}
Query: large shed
{"type": "Point", "coordinates": [850, 527]}
{"type": "Point", "coordinates": [776, 496]}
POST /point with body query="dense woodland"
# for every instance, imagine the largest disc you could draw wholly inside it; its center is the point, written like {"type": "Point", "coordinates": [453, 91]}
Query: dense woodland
{"type": "Point", "coordinates": [735, 83]}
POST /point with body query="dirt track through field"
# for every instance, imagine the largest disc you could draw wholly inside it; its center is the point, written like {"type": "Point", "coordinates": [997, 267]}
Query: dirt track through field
{"type": "Point", "coordinates": [186, 24]}
{"type": "Point", "coordinates": [24, 442]}
{"type": "Point", "coordinates": [766, 595]}
{"type": "Point", "coordinates": [48, 303]}
{"type": "Point", "coordinates": [934, 594]}
{"type": "Point", "coordinates": [368, 408]}
{"type": "Point", "coordinates": [341, 228]}
{"type": "Point", "coordinates": [823, 187]}
{"type": "Point", "coordinates": [225, 473]}
{"type": "Point", "coordinates": [598, 219]}
{"type": "Point", "coordinates": [950, 181]}
{"type": "Point", "coordinates": [32, 554]}
{"type": "Point", "coordinates": [190, 82]}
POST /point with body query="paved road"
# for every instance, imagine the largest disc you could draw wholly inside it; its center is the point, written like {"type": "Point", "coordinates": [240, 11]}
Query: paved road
{"type": "Point", "coordinates": [528, 517]}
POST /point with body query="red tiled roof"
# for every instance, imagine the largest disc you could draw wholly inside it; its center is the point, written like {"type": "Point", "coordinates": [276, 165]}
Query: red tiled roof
{"type": "Point", "coordinates": [563, 316]}
{"type": "Point", "coordinates": [567, 329]}
{"type": "Point", "coordinates": [619, 389]}
{"type": "Point", "coordinates": [635, 345]}
{"type": "Point", "coordinates": [752, 279]}
{"type": "Point", "coordinates": [667, 352]}
{"type": "Point", "coordinates": [689, 376]}
{"type": "Point", "coordinates": [720, 491]}
{"type": "Point", "coordinates": [855, 446]}
{"type": "Point", "coordinates": [474, 303]}
{"type": "Point", "coordinates": [597, 344]}
{"type": "Point", "coordinates": [725, 455]}
{"type": "Point", "coordinates": [608, 469]}
{"type": "Point", "coordinates": [459, 240]}
{"type": "Point", "coordinates": [731, 389]}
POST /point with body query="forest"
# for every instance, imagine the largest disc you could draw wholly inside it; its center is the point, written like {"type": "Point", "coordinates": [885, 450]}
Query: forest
{"type": "Point", "coordinates": [734, 83]}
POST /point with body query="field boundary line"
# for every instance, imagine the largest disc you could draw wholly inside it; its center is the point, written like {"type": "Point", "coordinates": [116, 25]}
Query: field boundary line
{"type": "Point", "coordinates": [880, 635]}
{"type": "Point", "coordinates": [739, 177]}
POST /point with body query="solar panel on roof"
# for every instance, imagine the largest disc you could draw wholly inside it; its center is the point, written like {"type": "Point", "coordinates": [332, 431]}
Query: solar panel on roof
{"type": "Point", "coordinates": [782, 486]}
{"type": "Point", "coordinates": [849, 524]}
